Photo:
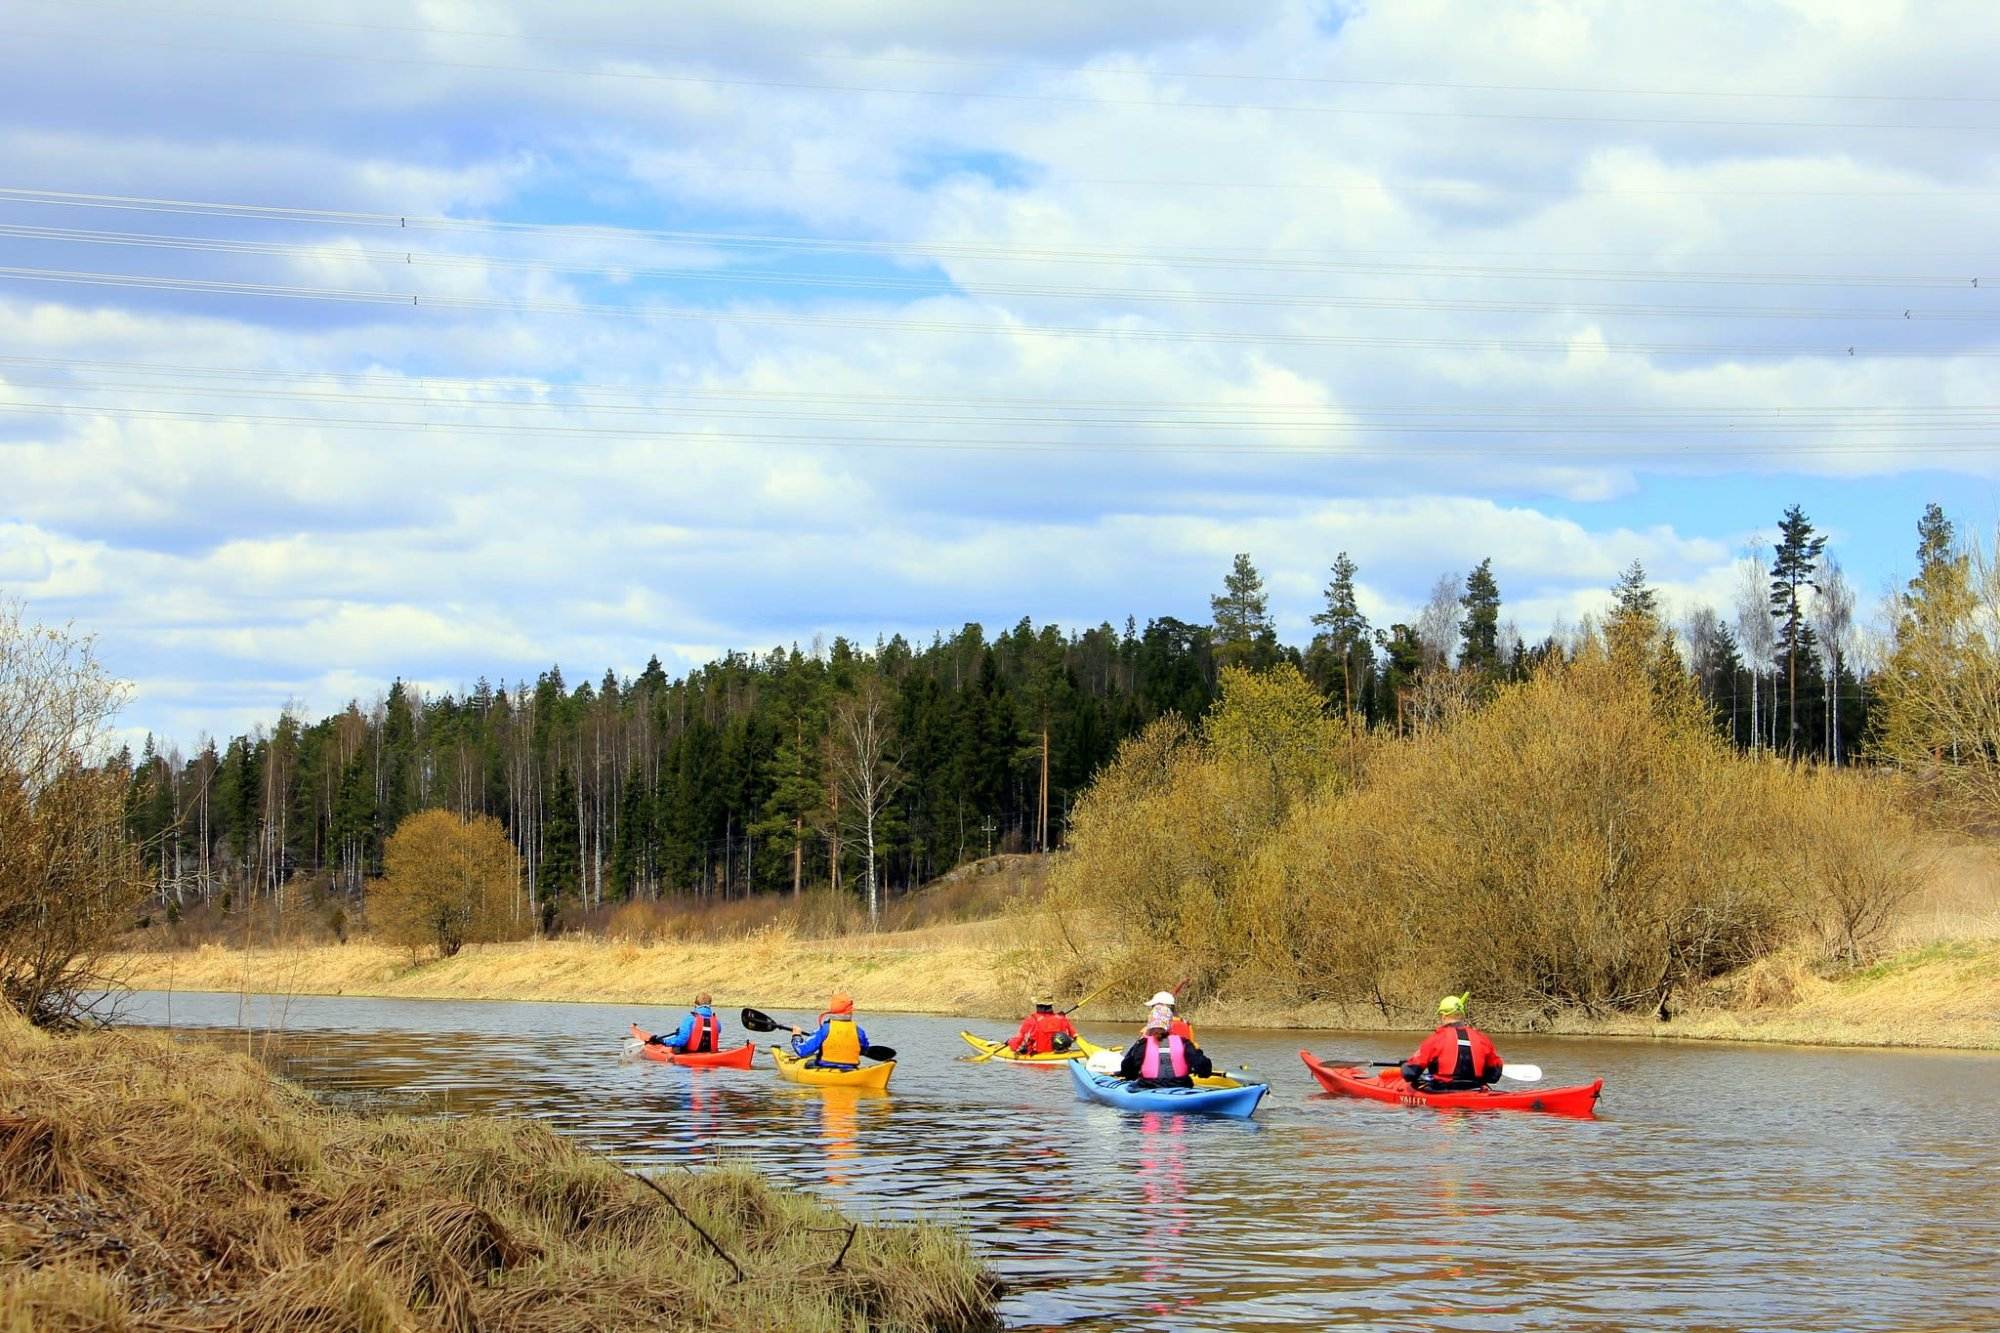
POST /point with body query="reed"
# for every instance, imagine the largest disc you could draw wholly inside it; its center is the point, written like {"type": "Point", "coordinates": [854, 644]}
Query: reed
{"type": "Point", "coordinates": [146, 1183]}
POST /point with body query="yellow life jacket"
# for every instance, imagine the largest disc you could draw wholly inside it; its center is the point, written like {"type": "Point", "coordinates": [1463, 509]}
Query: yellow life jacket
{"type": "Point", "coordinates": [843, 1043]}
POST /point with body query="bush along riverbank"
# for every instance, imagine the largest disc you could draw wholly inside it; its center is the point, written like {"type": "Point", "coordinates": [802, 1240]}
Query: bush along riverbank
{"type": "Point", "coordinates": [146, 1183]}
{"type": "Point", "coordinates": [1580, 850]}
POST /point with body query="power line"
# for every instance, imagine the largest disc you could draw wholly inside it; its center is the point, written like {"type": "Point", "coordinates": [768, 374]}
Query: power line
{"type": "Point", "coordinates": [679, 397]}
{"type": "Point", "coordinates": [208, 286]}
{"type": "Point", "coordinates": [954, 445]}
{"type": "Point", "coordinates": [938, 287]}
{"type": "Point", "coordinates": [98, 39]}
{"type": "Point", "coordinates": [1356, 422]}
{"type": "Point", "coordinates": [626, 48]}
{"type": "Point", "coordinates": [1253, 259]}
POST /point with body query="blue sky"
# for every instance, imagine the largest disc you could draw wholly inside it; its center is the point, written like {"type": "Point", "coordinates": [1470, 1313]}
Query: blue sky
{"type": "Point", "coordinates": [738, 325]}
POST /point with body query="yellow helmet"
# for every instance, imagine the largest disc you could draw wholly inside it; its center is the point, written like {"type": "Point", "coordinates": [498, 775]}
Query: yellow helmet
{"type": "Point", "coordinates": [1453, 1006]}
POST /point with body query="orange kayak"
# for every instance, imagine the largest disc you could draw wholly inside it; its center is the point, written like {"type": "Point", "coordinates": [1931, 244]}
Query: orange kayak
{"type": "Point", "coordinates": [1388, 1086]}
{"type": "Point", "coordinates": [738, 1058]}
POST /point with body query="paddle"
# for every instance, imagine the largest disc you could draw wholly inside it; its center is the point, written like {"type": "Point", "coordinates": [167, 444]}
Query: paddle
{"type": "Point", "coordinates": [1519, 1073]}
{"type": "Point", "coordinates": [756, 1020]}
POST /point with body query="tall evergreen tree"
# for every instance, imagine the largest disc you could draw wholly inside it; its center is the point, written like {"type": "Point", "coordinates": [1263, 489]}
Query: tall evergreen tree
{"type": "Point", "coordinates": [559, 876]}
{"type": "Point", "coordinates": [1794, 568]}
{"type": "Point", "coordinates": [1479, 631]}
{"type": "Point", "coordinates": [1244, 632]}
{"type": "Point", "coordinates": [1344, 633]}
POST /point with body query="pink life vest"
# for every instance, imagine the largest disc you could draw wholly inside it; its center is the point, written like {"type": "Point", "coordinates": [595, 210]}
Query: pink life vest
{"type": "Point", "coordinates": [1177, 1061]}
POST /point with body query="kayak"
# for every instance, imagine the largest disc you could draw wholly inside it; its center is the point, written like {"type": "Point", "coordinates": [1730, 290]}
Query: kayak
{"type": "Point", "coordinates": [997, 1052]}
{"type": "Point", "coordinates": [796, 1070]}
{"type": "Point", "coordinates": [1239, 1101]}
{"type": "Point", "coordinates": [1388, 1086]}
{"type": "Point", "coordinates": [736, 1058]}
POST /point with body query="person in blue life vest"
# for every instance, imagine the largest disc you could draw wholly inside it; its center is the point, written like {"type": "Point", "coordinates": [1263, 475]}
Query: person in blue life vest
{"type": "Point", "coordinates": [699, 1033]}
{"type": "Point", "coordinates": [1163, 1059]}
{"type": "Point", "coordinates": [839, 1040]}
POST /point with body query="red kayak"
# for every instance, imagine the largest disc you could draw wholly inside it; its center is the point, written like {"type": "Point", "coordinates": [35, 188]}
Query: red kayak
{"type": "Point", "coordinates": [739, 1058]}
{"type": "Point", "coordinates": [1388, 1086]}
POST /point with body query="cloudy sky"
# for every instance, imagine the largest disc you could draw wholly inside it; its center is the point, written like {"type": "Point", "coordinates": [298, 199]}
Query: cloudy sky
{"type": "Point", "coordinates": [459, 338]}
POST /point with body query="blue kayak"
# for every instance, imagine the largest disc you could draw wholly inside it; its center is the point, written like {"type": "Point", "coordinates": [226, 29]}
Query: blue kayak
{"type": "Point", "coordinates": [1114, 1091]}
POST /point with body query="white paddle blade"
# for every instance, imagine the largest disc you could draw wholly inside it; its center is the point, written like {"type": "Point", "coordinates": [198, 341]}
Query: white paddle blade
{"type": "Point", "coordinates": [1522, 1073]}
{"type": "Point", "coordinates": [632, 1048]}
{"type": "Point", "coordinates": [1104, 1062]}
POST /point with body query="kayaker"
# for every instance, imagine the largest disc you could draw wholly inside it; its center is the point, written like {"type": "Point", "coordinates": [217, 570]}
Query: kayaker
{"type": "Point", "coordinates": [1455, 1056]}
{"type": "Point", "coordinates": [1043, 1030]}
{"type": "Point", "coordinates": [1165, 1007]}
{"type": "Point", "coordinates": [838, 1042]}
{"type": "Point", "coordinates": [1160, 1059]}
{"type": "Point", "coordinates": [699, 1033]}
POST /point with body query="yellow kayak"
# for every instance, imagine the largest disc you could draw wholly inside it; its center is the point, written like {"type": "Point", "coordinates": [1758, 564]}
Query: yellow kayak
{"type": "Point", "coordinates": [997, 1050]}
{"type": "Point", "coordinates": [796, 1070]}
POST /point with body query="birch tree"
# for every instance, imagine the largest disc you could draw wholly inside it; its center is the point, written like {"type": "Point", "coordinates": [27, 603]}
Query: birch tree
{"type": "Point", "coordinates": [866, 774]}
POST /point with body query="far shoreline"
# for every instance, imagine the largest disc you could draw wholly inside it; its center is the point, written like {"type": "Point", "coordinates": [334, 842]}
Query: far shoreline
{"type": "Point", "coordinates": [1918, 1002]}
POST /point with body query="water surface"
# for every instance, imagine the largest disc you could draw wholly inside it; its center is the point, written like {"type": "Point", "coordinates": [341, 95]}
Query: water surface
{"type": "Point", "coordinates": [1720, 1186]}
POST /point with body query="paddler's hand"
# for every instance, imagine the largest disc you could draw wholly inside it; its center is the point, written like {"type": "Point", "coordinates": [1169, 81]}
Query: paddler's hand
{"type": "Point", "coordinates": [798, 1032]}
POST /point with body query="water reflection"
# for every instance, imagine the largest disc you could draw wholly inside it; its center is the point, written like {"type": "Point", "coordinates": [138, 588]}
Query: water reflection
{"type": "Point", "coordinates": [1721, 1186]}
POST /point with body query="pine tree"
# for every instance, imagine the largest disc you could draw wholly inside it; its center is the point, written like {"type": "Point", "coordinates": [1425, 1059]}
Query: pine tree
{"type": "Point", "coordinates": [1344, 631]}
{"type": "Point", "coordinates": [1794, 567]}
{"type": "Point", "coordinates": [1479, 631]}
{"type": "Point", "coordinates": [1243, 628]}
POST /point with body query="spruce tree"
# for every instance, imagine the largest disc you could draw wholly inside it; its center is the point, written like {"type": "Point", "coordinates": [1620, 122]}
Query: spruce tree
{"type": "Point", "coordinates": [1794, 567]}
{"type": "Point", "coordinates": [1479, 631]}
{"type": "Point", "coordinates": [560, 874]}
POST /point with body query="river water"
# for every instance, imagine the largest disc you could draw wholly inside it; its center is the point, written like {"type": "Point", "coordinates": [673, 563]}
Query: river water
{"type": "Point", "coordinates": [1719, 1186]}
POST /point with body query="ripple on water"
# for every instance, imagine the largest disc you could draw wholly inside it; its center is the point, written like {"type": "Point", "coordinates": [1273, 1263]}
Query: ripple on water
{"type": "Point", "coordinates": [1721, 1186]}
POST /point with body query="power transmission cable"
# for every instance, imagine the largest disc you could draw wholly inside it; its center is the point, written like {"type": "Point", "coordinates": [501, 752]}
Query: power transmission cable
{"type": "Point", "coordinates": [678, 397]}
{"type": "Point", "coordinates": [98, 39]}
{"type": "Point", "coordinates": [221, 287]}
{"type": "Point", "coordinates": [954, 444]}
{"type": "Point", "coordinates": [1414, 423]}
{"type": "Point", "coordinates": [1256, 259]}
{"type": "Point", "coordinates": [941, 287]}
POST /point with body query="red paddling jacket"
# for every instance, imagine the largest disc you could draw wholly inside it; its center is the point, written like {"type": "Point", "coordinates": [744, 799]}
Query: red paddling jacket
{"type": "Point", "coordinates": [1038, 1031]}
{"type": "Point", "coordinates": [1457, 1055]}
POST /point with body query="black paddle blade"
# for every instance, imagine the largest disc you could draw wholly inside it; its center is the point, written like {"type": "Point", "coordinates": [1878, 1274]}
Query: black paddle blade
{"type": "Point", "coordinates": [755, 1020]}
{"type": "Point", "coordinates": [884, 1053]}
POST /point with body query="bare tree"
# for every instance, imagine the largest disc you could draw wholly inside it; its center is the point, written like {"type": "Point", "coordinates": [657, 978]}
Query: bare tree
{"type": "Point", "coordinates": [1754, 631]}
{"type": "Point", "coordinates": [68, 875]}
{"type": "Point", "coordinates": [1833, 621]}
{"type": "Point", "coordinates": [866, 773]}
{"type": "Point", "coordinates": [1437, 623]}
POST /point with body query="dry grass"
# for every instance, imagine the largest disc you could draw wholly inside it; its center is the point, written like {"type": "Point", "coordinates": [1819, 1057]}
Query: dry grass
{"type": "Point", "coordinates": [937, 968]}
{"type": "Point", "coordinates": [150, 1185]}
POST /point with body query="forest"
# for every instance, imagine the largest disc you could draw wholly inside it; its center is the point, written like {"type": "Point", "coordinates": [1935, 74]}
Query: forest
{"type": "Point", "coordinates": [874, 770]}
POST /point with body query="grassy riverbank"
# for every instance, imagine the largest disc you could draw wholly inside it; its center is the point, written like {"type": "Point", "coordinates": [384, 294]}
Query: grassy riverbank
{"type": "Point", "coordinates": [148, 1183]}
{"type": "Point", "coordinates": [1938, 984]}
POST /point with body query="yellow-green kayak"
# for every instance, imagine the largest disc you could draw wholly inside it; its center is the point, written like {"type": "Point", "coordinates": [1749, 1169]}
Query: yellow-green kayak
{"type": "Point", "coordinates": [796, 1070]}
{"type": "Point", "coordinates": [997, 1051]}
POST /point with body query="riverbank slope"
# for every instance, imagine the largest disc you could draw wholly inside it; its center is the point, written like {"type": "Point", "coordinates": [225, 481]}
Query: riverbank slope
{"type": "Point", "coordinates": [148, 1182]}
{"type": "Point", "coordinates": [1940, 988]}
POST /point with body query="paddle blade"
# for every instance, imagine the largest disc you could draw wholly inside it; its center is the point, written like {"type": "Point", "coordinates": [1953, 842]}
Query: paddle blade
{"type": "Point", "coordinates": [755, 1020]}
{"type": "Point", "coordinates": [1522, 1073]}
{"type": "Point", "coordinates": [882, 1053]}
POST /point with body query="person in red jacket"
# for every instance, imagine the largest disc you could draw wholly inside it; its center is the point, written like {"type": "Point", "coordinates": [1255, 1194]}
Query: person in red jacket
{"type": "Point", "coordinates": [1043, 1031]}
{"type": "Point", "coordinates": [1456, 1056]}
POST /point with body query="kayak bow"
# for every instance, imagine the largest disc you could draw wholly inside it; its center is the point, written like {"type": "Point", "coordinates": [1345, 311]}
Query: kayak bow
{"type": "Point", "coordinates": [1239, 1101]}
{"type": "Point", "coordinates": [796, 1070]}
{"type": "Point", "coordinates": [1388, 1086]}
{"type": "Point", "coordinates": [997, 1051]}
{"type": "Point", "coordinates": [735, 1058]}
